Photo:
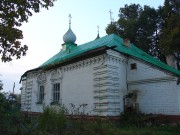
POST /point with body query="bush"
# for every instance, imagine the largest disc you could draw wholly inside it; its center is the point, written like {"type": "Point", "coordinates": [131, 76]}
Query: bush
{"type": "Point", "coordinates": [53, 121]}
{"type": "Point", "coordinates": [133, 119]}
{"type": "Point", "coordinates": [9, 115]}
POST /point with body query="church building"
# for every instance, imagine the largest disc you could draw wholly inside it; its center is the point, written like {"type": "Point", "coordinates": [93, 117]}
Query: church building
{"type": "Point", "coordinates": [106, 76]}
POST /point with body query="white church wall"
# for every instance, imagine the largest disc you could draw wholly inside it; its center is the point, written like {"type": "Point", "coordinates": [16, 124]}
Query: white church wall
{"type": "Point", "coordinates": [120, 61]}
{"type": "Point", "coordinates": [158, 97]}
{"type": "Point", "coordinates": [31, 91]}
{"type": "Point", "coordinates": [81, 81]}
{"type": "Point", "coordinates": [77, 86]}
{"type": "Point", "coordinates": [157, 91]}
{"type": "Point", "coordinates": [96, 83]}
{"type": "Point", "coordinates": [35, 107]}
{"type": "Point", "coordinates": [101, 83]}
{"type": "Point", "coordinates": [29, 88]}
{"type": "Point", "coordinates": [34, 93]}
{"type": "Point", "coordinates": [143, 71]}
{"type": "Point", "coordinates": [23, 95]}
{"type": "Point", "coordinates": [119, 64]}
{"type": "Point", "coordinates": [48, 89]}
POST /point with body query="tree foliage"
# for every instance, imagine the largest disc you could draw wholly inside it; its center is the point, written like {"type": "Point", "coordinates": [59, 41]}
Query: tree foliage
{"type": "Point", "coordinates": [139, 25]}
{"type": "Point", "coordinates": [170, 26]}
{"type": "Point", "coordinates": [9, 114]}
{"type": "Point", "coordinates": [128, 21]}
{"type": "Point", "coordinates": [169, 33]}
{"type": "Point", "coordinates": [156, 31]}
{"type": "Point", "coordinates": [12, 14]}
{"type": "Point", "coordinates": [1, 85]}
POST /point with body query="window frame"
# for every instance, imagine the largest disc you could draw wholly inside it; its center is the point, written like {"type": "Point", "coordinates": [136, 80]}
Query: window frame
{"type": "Point", "coordinates": [41, 93]}
{"type": "Point", "coordinates": [41, 83]}
{"type": "Point", "coordinates": [56, 83]}
{"type": "Point", "coordinates": [56, 92]}
{"type": "Point", "coordinates": [133, 66]}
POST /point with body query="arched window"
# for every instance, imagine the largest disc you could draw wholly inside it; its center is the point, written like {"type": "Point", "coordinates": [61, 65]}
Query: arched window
{"type": "Point", "coordinates": [41, 79]}
{"type": "Point", "coordinates": [56, 77]}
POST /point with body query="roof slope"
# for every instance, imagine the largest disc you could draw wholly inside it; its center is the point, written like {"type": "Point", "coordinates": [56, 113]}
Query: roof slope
{"type": "Point", "coordinates": [109, 41]}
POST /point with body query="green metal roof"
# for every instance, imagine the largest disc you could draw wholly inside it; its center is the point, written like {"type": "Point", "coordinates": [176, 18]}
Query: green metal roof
{"type": "Point", "coordinates": [109, 41]}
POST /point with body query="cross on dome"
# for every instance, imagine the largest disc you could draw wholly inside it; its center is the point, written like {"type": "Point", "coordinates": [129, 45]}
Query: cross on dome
{"type": "Point", "coordinates": [70, 19]}
{"type": "Point", "coordinates": [98, 29]}
{"type": "Point", "coordinates": [111, 15]}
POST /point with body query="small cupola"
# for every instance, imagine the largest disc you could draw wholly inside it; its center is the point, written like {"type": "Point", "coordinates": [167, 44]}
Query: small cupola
{"type": "Point", "coordinates": [69, 38]}
{"type": "Point", "coordinates": [98, 33]}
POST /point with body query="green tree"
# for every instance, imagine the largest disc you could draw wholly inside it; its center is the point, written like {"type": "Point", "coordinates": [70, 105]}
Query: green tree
{"type": "Point", "coordinates": [12, 14]}
{"type": "Point", "coordinates": [1, 85]}
{"type": "Point", "coordinates": [140, 25]}
{"type": "Point", "coordinates": [112, 28]}
{"type": "Point", "coordinates": [10, 114]}
{"type": "Point", "coordinates": [170, 29]}
{"type": "Point", "coordinates": [128, 21]}
{"type": "Point", "coordinates": [146, 33]}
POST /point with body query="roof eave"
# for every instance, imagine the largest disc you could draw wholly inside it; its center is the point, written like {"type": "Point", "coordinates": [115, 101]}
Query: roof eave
{"type": "Point", "coordinates": [81, 56]}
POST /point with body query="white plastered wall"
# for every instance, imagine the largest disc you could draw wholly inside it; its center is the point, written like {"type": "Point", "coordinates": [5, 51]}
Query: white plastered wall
{"type": "Point", "coordinates": [158, 92]}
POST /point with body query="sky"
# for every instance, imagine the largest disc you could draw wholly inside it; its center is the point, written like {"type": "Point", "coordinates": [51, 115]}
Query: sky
{"type": "Point", "coordinates": [44, 32]}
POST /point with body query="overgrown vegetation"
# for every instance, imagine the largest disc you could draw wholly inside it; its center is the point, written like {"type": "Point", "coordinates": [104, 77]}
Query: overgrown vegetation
{"type": "Point", "coordinates": [73, 121]}
{"type": "Point", "coordinates": [58, 121]}
{"type": "Point", "coordinates": [9, 112]}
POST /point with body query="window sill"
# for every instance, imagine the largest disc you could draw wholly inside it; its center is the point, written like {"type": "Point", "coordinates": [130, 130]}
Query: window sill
{"type": "Point", "coordinates": [55, 103]}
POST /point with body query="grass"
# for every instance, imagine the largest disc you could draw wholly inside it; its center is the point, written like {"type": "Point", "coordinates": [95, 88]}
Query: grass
{"type": "Point", "coordinates": [148, 131]}
{"type": "Point", "coordinates": [55, 121]}
{"type": "Point", "coordinates": [129, 124]}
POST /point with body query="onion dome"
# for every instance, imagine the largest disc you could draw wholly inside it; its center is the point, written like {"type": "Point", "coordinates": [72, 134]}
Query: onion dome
{"type": "Point", "coordinates": [69, 36]}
